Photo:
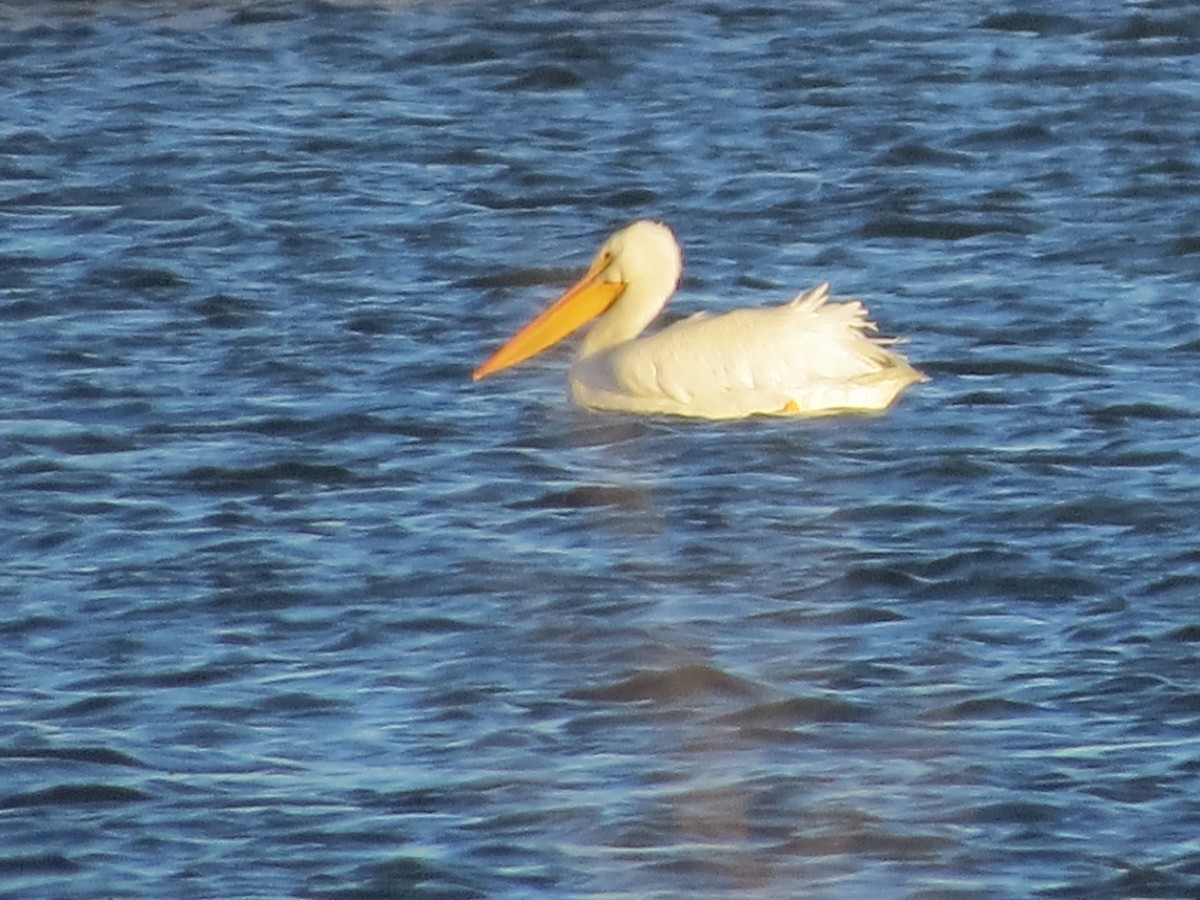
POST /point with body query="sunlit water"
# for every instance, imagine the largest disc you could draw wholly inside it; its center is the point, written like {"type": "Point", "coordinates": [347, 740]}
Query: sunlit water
{"type": "Point", "coordinates": [291, 608]}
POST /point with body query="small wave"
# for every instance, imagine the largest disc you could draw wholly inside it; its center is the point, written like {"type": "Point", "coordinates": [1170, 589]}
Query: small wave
{"type": "Point", "coordinates": [586, 497]}
{"type": "Point", "coordinates": [796, 711]}
{"type": "Point", "coordinates": [299, 703]}
{"type": "Point", "coordinates": [1154, 412]}
{"type": "Point", "coordinates": [1140, 28]}
{"type": "Point", "coordinates": [37, 864]}
{"type": "Point", "coordinates": [1041, 24]}
{"type": "Point", "coordinates": [74, 795]}
{"type": "Point", "coordinates": [1188, 245]}
{"type": "Point", "coordinates": [980, 708]}
{"type": "Point", "coordinates": [906, 228]}
{"type": "Point", "coordinates": [104, 756]}
{"type": "Point", "coordinates": [228, 311]}
{"type": "Point", "coordinates": [271, 477]}
{"type": "Point", "coordinates": [1016, 813]}
{"type": "Point", "coordinates": [869, 842]}
{"type": "Point", "coordinates": [137, 278]}
{"type": "Point", "coordinates": [916, 154]}
{"type": "Point", "coordinates": [545, 78]}
{"type": "Point", "coordinates": [1012, 365]}
{"type": "Point", "coordinates": [680, 683]}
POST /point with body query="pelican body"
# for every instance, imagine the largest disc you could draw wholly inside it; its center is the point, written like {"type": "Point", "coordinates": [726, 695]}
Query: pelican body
{"type": "Point", "coordinates": [809, 357]}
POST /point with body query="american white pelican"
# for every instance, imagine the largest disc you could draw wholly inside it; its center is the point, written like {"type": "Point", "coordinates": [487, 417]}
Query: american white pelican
{"type": "Point", "coordinates": [808, 357]}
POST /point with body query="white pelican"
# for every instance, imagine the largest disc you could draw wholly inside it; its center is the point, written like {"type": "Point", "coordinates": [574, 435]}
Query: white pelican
{"type": "Point", "coordinates": [808, 357]}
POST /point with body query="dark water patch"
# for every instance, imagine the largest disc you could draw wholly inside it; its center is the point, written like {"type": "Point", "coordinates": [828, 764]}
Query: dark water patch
{"type": "Point", "coordinates": [1119, 413]}
{"type": "Point", "coordinates": [24, 310]}
{"type": "Point", "coordinates": [32, 624]}
{"type": "Point", "coordinates": [1041, 24]}
{"type": "Point", "coordinates": [1140, 28]}
{"type": "Point", "coordinates": [669, 686]}
{"type": "Point", "coordinates": [74, 795]}
{"type": "Point", "coordinates": [38, 864]}
{"type": "Point", "coordinates": [271, 478]}
{"type": "Point", "coordinates": [991, 367]}
{"type": "Point", "coordinates": [1039, 587]}
{"type": "Point", "coordinates": [634, 199]}
{"type": "Point", "coordinates": [467, 51]}
{"type": "Point", "coordinates": [1147, 460]}
{"type": "Point", "coordinates": [103, 756]}
{"type": "Point", "coordinates": [228, 311]}
{"type": "Point", "coordinates": [1133, 880]}
{"type": "Point", "coordinates": [982, 399]}
{"type": "Point", "coordinates": [1188, 634]}
{"type": "Point", "coordinates": [85, 357]}
{"type": "Point", "coordinates": [887, 577]}
{"type": "Point", "coordinates": [401, 876]}
{"type": "Point", "coordinates": [587, 497]}
{"type": "Point", "coordinates": [27, 142]}
{"type": "Point", "coordinates": [1187, 347]}
{"type": "Point", "coordinates": [258, 599]}
{"type": "Point", "coordinates": [1180, 169]}
{"type": "Point", "coordinates": [299, 703]}
{"type": "Point", "coordinates": [1134, 790]}
{"type": "Point", "coordinates": [208, 716]}
{"type": "Point", "coordinates": [195, 676]}
{"type": "Point", "coordinates": [798, 711]}
{"type": "Point", "coordinates": [545, 78]}
{"type": "Point", "coordinates": [431, 800]}
{"type": "Point", "coordinates": [345, 424]}
{"type": "Point", "coordinates": [871, 843]}
{"type": "Point", "coordinates": [1018, 134]}
{"type": "Point", "coordinates": [1014, 814]}
{"type": "Point", "coordinates": [1186, 245]}
{"type": "Point", "coordinates": [1130, 692]}
{"type": "Point", "coordinates": [863, 615]}
{"type": "Point", "coordinates": [698, 867]}
{"type": "Point", "coordinates": [525, 200]}
{"type": "Point", "coordinates": [1185, 704]}
{"type": "Point", "coordinates": [914, 154]}
{"type": "Point", "coordinates": [907, 228]}
{"type": "Point", "coordinates": [1007, 575]}
{"type": "Point", "coordinates": [990, 708]}
{"type": "Point", "coordinates": [852, 615]}
{"type": "Point", "coordinates": [530, 819]}
{"type": "Point", "coordinates": [100, 705]}
{"type": "Point", "coordinates": [136, 278]}
{"type": "Point", "coordinates": [372, 324]}
{"type": "Point", "coordinates": [81, 442]}
{"type": "Point", "coordinates": [1105, 510]}
{"type": "Point", "coordinates": [435, 625]}
{"type": "Point", "coordinates": [326, 145]}
{"type": "Point", "coordinates": [264, 14]}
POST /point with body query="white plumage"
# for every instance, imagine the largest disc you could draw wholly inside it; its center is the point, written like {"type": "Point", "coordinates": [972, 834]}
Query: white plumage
{"type": "Point", "coordinates": [809, 357]}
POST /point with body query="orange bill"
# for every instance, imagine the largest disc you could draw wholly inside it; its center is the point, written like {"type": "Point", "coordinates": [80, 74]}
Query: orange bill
{"type": "Point", "coordinates": [585, 300]}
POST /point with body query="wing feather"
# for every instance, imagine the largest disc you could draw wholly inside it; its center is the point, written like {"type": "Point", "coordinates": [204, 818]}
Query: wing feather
{"type": "Point", "coordinates": [807, 356]}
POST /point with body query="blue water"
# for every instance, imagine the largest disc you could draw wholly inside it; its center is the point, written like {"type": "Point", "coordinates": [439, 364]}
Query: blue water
{"type": "Point", "coordinates": [291, 608]}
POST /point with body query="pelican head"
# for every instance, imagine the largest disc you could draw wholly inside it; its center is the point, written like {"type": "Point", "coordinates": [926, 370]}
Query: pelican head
{"type": "Point", "coordinates": [629, 281]}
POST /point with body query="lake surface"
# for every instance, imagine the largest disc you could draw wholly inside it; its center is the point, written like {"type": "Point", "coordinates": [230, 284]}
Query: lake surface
{"type": "Point", "coordinates": [291, 608]}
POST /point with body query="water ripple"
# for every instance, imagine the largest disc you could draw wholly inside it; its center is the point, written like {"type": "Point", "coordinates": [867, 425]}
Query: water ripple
{"type": "Point", "coordinates": [294, 609]}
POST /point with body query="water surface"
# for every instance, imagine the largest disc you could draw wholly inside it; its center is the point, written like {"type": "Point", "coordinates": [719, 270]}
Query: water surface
{"type": "Point", "coordinates": [292, 608]}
